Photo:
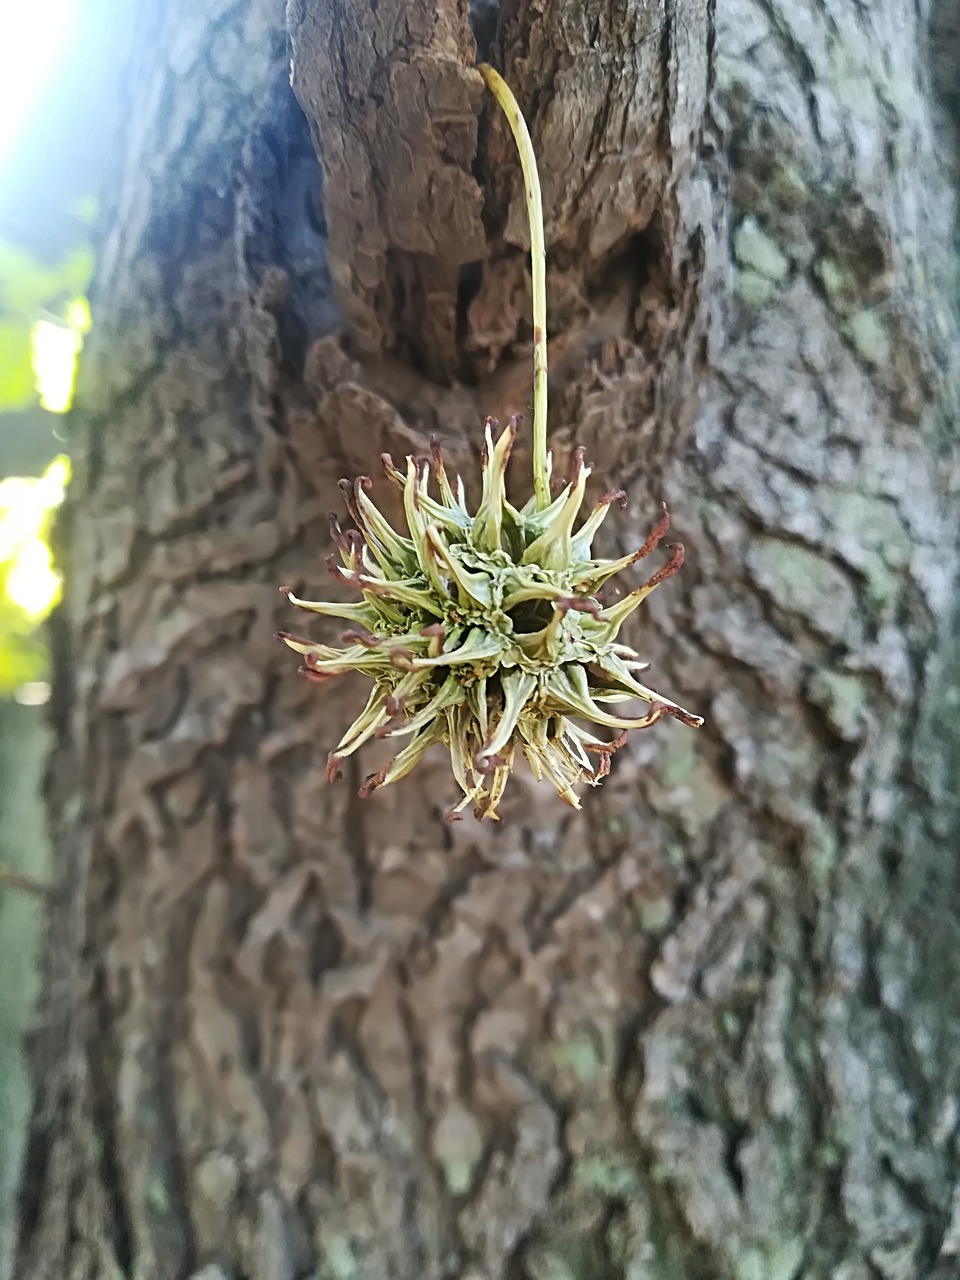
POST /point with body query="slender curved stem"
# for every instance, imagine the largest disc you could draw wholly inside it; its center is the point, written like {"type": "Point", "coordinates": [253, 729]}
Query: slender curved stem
{"type": "Point", "coordinates": [538, 270]}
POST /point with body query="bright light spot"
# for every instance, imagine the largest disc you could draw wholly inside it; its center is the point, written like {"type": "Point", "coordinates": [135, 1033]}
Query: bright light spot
{"type": "Point", "coordinates": [54, 481]}
{"type": "Point", "coordinates": [78, 315]}
{"type": "Point", "coordinates": [32, 584]}
{"type": "Point", "coordinates": [28, 577]}
{"type": "Point", "coordinates": [55, 351]}
{"type": "Point", "coordinates": [18, 514]}
{"type": "Point", "coordinates": [33, 694]}
{"type": "Point", "coordinates": [30, 48]}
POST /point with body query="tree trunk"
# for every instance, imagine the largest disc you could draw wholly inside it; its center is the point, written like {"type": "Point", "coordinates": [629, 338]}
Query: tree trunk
{"type": "Point", "coordinates": [705, 1029]}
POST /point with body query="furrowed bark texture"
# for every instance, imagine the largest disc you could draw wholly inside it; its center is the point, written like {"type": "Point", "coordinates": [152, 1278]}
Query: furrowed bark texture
{"type": "Point", "coordinates": [706, 1028]}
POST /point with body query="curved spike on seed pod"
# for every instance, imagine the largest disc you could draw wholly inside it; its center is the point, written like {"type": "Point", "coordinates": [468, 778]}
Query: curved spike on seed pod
{"type": "Point", "coordinates": [411, 503]}
{"type": "Point", "coordinates": [392, 725]}
{"type": "Point", "coordinates": [595, 574]}
{"type": "Point", "coordinates": [448, 696]}
{"type": "Point", "coordinates": [673, 565]}
{"type": "Point", "coordinates": [569, 798]}
{"type": "Point", "coordinates": [603, 767]}
{"type": "Point", "coordinates": [490, 428]}
{"type": "Point", "coordinates": [346, 491]}
{"type": "Point", "coordinates": [497, 788]}
{"type": "Point", "coordinates": [391, 471]}
{"type": "Point", "coordinates": [401, 658]}
{"type": "Point", "coordinates": [472, 588]}
{"type": "Point", "coordinates": [348, 542]}
{"type": "Point", "coordinates": [685, 717]}
{"type": "Point", "coordinates": [553, 549]}
{"type": "Point", "coordinates": [548, 639]}
{"type": "Point", "coordinates": [440, 471]}
{"type": "Point", "coordinates": [485, 810]}
{"type": "Point", "coordinates": [396, 709]}
{"type": "Point", "coordinates": [611, 748]}
{"type": "Point", "coordinates": [350, 545]}
{"type": "Point", "coordinates": [486, 447]}
{"type": "Point", "coordinates": [354, 635]}
{"type": "Point", "coordinates": [360, 613]}
{"type": "Point", "coordinates": [583, 539]}
{"type": "Point", "coordinates": [536, 591]}
{"type": "Point", "coordinates": [333, 771]}
{"type": "Point", "coordinates": [311, 670]}
{"type": "Point", "coordinates": [362, 484]}
{"type": "Point", "coordinates": [399, 592]}
{"type": "Point", "coordinates": [370, 784]}
{"type": "Point", "coordinates": [605, 754]}
{"type": "Point", "coordinates": [517, 687]}
{"type": "Point", "coordinates": [315, 677]}
{"type": "Point", "coordinates": [663, 526]}
{"type": "Point", "coordinates": [337, 573]}
{"type": "Point", "coordinates": [427, 554]}
{"type": "Point", "coordinates": [393, 554]}
{"type": "Point", "coordinates": [300, 644]}
{"type": "Point", "coordinates": [436, 633]}
{"type": "Point", "coordinates": [488, 522]}
{"type": "Point", "coordinates": [616, 614]}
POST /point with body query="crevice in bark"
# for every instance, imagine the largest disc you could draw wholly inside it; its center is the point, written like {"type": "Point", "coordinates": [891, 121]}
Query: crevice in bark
{"type": "Point", "coordinates": [483, 24]}
{"type": "Point", "coordinates": [355, 833]}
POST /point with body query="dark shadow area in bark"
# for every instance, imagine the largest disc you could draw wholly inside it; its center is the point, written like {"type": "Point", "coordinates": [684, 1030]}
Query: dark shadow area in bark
{"type": "Point", "coordinates": [104, 1062]}
{"type": "Point", "coordinates": [282, 230]}
{"type": "Point", "coordinates": [944, 37]}
{"type": "Point", "coordinates": [483, 24]}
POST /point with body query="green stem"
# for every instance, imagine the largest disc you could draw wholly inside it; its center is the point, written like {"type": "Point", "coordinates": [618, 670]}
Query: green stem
{"type": "Point", "coordinates": [538, 269]}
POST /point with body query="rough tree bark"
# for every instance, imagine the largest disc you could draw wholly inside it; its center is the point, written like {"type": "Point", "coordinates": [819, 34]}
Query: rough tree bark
{"type": "Point", "coordinates": [707, 1028]}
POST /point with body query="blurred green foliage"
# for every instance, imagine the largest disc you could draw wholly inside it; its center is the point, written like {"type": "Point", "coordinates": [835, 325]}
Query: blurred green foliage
{"type": "Point", "coordinates": [43, 317]}
{"type": "Point", "coordinates": [29, 585]}
{"type": "Point", "coordinates": [35, 297]}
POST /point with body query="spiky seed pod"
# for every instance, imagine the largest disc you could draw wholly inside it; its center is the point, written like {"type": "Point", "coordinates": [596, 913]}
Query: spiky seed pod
{"type": "Point", "coordinates": [484, 631]}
